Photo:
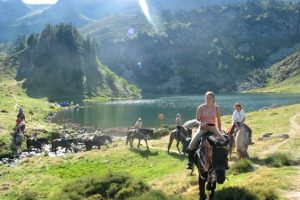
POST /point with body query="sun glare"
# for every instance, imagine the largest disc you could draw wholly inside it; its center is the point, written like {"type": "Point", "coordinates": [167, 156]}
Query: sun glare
{"type": "Point", "coordinates": [40, 1]}
{"type": "Point", "coordinates": [145, 9]}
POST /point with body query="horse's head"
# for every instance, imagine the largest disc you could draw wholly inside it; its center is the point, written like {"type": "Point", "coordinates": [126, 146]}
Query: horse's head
{"type": "Point", "coordinates": [219, 158]}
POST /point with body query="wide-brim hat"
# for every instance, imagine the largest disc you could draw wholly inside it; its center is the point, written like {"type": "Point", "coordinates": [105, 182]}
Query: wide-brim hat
{"type": "Point", "coordinates": [178, 115]}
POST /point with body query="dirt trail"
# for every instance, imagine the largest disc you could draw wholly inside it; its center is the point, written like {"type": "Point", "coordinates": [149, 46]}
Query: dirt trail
{"type": "Point", "coordinates": [294, 193]}
{"type": "Point", "coordinates": [293, 131]}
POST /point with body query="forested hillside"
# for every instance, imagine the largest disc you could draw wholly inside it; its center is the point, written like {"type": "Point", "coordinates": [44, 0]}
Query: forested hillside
{"type": "Point", "coordinates": [283, 76]}
{"type": "Point", "coordinates": [60, 63]}
{"type": "Point", "coordinates": [191, 51]}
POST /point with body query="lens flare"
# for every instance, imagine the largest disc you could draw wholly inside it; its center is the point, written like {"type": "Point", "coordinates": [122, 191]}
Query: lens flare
{"type": "Point", "coordinates": [145, 9]}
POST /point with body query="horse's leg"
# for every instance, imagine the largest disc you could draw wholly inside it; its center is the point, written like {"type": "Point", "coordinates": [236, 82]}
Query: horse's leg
{"type": "Point", "coordinates": [211, 187]}
{"type": "Point", "coordinates": [201, 182]}
{"type": "Point", "coordinates": [138, 146]}
{"type": "Point", "coordinates": [170, 142]}
{"type": "Point", "coordinates": [177, 145]}
{"type": "Point", "coordinates": [146, 143]}
{"type": "Point", "coordinates": [131, 142]}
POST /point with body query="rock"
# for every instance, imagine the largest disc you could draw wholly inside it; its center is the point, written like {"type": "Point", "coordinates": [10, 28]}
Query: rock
{"type": "Point", "coordinates": [282, 135]}
{"type": "Point", "coordinates": [264, 136]}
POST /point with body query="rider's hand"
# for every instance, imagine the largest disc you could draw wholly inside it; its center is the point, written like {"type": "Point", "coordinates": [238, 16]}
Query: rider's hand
{"type": "Point", "coordinates": [204, 126]}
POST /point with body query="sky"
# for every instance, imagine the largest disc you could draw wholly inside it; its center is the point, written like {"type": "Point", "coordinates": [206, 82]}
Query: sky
{"type": "Point", "coordinates": [40, 1]}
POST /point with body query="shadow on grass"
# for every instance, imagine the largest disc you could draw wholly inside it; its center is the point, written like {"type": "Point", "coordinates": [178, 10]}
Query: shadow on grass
{"type": "Point", "coordinates": [181, 157]}
{"type": "Point", "coordinates": [144, 153]}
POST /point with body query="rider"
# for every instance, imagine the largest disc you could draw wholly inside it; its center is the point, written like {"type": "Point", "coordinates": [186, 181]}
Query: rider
{"type": "Point", "coordinates": [138, 125]}
{"type": "Point", "coordinates": [238, 119]}
{"type": "Point", "coordinates": [208, 116]}
{"type": "Point", "coordinates": [35, 136]}
{"type": "Point", "coordinates": [20, 117]}
{"type": "Point", "coordinates": [178, 123]}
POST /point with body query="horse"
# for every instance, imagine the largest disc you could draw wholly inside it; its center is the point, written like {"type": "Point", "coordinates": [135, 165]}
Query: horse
{"type": "Point", "coordinates": [185, 137]}
{"type": "Point", "coordinates": [64, 143]}
{"type": "Point", "coordinates": [37, 144]}
{"type": "Point", "coordinates": [241, 142]}
{"type": "Point", "coordinates": [180, 137]}
{"type": "Point", "coordinates": [142, 134]}
{"type": "Point", "coordinates": [211, 160]}
{"type": "Point", "coordinates": [18, 137]}
{"type": "Point", "coordinates": [98, 140]}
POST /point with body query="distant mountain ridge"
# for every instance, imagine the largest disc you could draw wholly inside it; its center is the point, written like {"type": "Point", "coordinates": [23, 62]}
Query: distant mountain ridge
{"type": "Point", "coordinates": [79, 12]}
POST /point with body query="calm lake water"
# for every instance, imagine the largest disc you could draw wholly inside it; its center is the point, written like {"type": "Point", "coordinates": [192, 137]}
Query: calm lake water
{"type": "Point", "coordinates": [124, 113]}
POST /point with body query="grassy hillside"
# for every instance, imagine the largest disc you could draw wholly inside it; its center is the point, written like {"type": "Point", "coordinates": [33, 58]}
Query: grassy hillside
{"type": "Point", "coordinates": [282, 77]}
{"type": "Point", "coordinates": [46, 177]}
{"type": "Point", "coordinates": [156, 168]}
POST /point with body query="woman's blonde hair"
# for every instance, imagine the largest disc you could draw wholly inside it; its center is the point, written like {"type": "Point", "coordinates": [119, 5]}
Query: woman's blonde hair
{"type": "Point", "coordinates": [211, 94]}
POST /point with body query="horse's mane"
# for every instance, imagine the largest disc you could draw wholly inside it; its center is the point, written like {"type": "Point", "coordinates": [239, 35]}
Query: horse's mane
{"type": "Point", "coordinates": [190, 124]}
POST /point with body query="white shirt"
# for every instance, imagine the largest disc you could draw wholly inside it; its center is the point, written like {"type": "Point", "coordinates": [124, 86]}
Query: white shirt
{"type": "Point", "coordinates": [238, 116]}
{"type": "Point", "coordinates": [138, 124]}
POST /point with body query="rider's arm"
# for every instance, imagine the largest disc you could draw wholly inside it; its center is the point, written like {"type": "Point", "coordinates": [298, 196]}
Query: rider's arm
{"type": "Point", "coordinates": [198, 115]}
{"type": "Point", "coordinates": [219, 118]}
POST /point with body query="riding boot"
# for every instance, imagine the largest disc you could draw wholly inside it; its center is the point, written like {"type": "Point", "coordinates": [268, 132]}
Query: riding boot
{"type": "Point", "coordinates": [190, 164]}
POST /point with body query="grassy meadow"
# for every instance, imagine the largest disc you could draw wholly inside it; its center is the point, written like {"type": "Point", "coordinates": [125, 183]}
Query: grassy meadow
{"type": "Point", "coordinates": [267, 175]}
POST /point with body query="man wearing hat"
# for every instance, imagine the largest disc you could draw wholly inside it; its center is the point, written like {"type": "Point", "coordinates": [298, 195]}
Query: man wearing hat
{"type": "Point", "coordinates": [178, 121]}
{"type": "Point", "coordinates": [238, 119]}
{"type": "Point", "coordinates": [138, 125]}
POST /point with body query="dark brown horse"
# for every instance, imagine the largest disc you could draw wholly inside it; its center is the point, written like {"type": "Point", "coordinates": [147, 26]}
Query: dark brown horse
{"type": "Point", "coordinates": [141, 135]}
{"type": "Point", "coordinates": [211, 160]}
{"type": "Point", "coordinates": [180, 138]}
{"type": "Point", "coordinates": [63, 143]}
{"type": "Point", "coordinates": [37, 144]}
{"type": "Point", "coordinates": [97, 140]}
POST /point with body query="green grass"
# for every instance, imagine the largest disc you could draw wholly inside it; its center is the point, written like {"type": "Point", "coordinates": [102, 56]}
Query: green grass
{"type": "Point", "coordinates": [290, 85]}
{"type": "Point", "coordinates": [44, 177]}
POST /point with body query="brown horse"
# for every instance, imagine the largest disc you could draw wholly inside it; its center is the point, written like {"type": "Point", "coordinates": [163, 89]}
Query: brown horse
{"type": "Point", "coordinates": [63, 143]}
{"type": "Point", "coordinates": [180, 137]}
{"type": "Point", "coordinates": [141, 135]}
{"type": "Point", "coordinates": [97, 140]}
{"type": "Point", "coordinates": [37, 144]}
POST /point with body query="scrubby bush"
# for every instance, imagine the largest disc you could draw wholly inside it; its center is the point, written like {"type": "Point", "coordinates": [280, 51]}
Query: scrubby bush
{"type": "Point", "coordinates": [242, 166]}
{"type": "Point", "coordinates": [237, 193]}
{"type": "Point", "coordinates": [27, 195]}
{"type": "Point", "coordinates": [279, 160]}
{"type": "Point", "coordinates": [160, 133]}
{"type": "Point", "coordinates": [111, 186]}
